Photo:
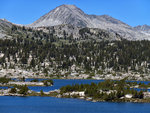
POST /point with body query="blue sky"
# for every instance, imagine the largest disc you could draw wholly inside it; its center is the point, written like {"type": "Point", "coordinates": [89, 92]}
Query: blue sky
{"type": "Point", "coordinates": [132, 12]}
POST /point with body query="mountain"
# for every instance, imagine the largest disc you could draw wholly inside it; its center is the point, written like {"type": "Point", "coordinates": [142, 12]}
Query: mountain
{"type": "Point", "coordinates": [143, 28]}
{"type": "Point", "coordinates": [10, 30]}
{"type": "Point", "coordinates": [74, 32]}
{"type": "Point", "coordinates": [72, 15]}
{"type": "Point", "coordinates": [4, 27]}
{"type": "Point", "coordinates": [65, 14]}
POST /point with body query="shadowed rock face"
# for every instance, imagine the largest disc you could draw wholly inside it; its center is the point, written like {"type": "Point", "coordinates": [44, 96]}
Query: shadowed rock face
{"type": "Point", "coordinates": [144, 28]}
{"type": "Point", "coordinates": [80, 33]}
{"type": "Point", "coordinates": [4, 26]}
{"type": "Point", "coordinates": [70, 14]}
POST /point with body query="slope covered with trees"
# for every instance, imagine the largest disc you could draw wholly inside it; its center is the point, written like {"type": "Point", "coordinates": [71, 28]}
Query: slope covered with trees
{"type": "Point", "coordinates": [42, 52]}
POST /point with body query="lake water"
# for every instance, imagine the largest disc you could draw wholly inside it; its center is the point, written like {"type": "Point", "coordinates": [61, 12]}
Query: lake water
{"type": "Point", "coordinates": [9, 104]}
{"type": "Point", "coordinates": [58, 83]}
{"type": "Point", "coordinates": [59, 105]}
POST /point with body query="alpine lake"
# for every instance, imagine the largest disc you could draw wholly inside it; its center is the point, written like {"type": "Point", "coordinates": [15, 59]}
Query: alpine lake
{"type": "Point", "coordinates": [37, 104]}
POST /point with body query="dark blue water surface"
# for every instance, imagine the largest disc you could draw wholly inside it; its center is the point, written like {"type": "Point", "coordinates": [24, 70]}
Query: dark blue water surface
{"type": "Point", "coordinates": [59, 105]}
{"type": "Point", "coordinates": [58, 83]}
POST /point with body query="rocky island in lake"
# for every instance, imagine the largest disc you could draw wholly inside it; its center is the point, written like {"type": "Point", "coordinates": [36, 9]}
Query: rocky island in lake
{"type": "Point", "coordinates": [108, 90]}
{"type": "Point", "coordinates": [19, 87]}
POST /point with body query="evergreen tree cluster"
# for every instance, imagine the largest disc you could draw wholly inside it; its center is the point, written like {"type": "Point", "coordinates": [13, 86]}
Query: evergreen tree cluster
{"type": "Point", "coordinates": [107, 90]}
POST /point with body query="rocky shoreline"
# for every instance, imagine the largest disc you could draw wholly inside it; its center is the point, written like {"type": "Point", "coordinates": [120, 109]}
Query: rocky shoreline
{"type": "Point", "coordinates": [108, 90]}
{"type": "Point", "coordinates": [78, 95]}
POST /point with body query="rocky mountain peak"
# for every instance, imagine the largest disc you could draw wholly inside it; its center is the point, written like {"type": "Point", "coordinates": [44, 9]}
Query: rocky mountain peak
{"type": "Point", "coordinates": [72, 15]}
{"type": "Point", "coordinates": [64, 14]}
{"type": "Point", "coordinates": [68, 6]}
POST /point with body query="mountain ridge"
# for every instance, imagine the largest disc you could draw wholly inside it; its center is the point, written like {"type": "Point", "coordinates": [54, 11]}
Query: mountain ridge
{"type": "Point", "coordinates": [144, 28]}
{"type": "Point", "coordinates": [70, 14]}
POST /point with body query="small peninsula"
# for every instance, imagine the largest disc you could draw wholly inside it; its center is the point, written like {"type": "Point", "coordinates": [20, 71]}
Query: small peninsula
{"type": "Point", "coordinates": [108, 90]}
{"type": "Point", "coordinates": [19, 87]}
